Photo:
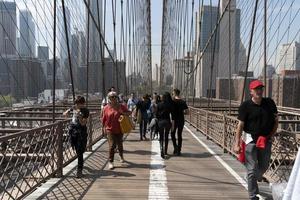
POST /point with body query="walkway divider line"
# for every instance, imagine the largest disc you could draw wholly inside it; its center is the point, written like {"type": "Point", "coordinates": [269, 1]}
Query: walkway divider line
{"type": "Point", "coordinates": [158, 188]}
{"type": "Point", "coordinates": [218, 158]}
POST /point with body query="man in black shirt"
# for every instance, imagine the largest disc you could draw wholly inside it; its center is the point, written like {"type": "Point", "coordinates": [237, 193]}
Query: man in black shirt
{"type": "Point", "coordinates": [143, 106]}
{"type": "Point", "coordinates": [258, 121]}
{"type": "Point", "coordinates": [180, 109]}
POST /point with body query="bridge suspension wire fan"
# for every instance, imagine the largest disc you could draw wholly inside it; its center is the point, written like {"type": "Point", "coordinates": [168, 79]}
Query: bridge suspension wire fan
{"type": "Point", "coordinates": [68, 48]}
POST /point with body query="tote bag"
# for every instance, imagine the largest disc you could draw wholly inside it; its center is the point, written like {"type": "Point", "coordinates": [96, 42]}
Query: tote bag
{"type": "Point", "coordinates": [125, 124]}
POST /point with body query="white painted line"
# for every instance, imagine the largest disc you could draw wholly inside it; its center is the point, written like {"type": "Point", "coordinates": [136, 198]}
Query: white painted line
{"type": "Point", "coordinates": [158, 188]}
{"type": "Point", "coordinates": [225, 165]}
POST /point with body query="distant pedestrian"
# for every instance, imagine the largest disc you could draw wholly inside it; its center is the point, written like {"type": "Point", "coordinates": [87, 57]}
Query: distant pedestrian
{"type": "Point", "coordinates": [132, 101]}
{"type": "Point", "coordinates": [153, 125]}
{"type": "Point", "coordinates": [165, 118]}
{"type": "Point", "coordinates": [143, 107]}
{"type": "Point", "coordinates": [258, 121]}
{"type": "Point", "coordinates": [179, 112]}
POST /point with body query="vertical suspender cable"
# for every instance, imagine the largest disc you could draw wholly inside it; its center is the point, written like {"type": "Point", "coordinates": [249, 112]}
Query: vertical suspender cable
{"type": "Point", "coordinates": [213, 58]}
{"type": "Point", "coordinates": [113, 7]}
{"type": "Point", "coordinates": [150, 47]}
{"type": "Point", "coordinates": [101, 50]}
{"type": "Point", "coordinates": [54, 62]}
{"type": "Point", "coordinates": [68, 48]}
{"type": "Point", "coordinates": [229, 56]}
{"type": "Point", "coordinates": [128, 19]}
{"type": "Point", "coordinates": [249, 50]}
{"type": "Point", "coordinates": [87, 57]}
{"type": "Point", "coordinates": [265, 47]}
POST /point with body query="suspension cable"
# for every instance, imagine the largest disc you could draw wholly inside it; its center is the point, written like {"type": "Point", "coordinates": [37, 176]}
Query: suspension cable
{"type": "Point", "coordinates": [249, 50]}
{"type": "Point", "coordinates": [68, 47]}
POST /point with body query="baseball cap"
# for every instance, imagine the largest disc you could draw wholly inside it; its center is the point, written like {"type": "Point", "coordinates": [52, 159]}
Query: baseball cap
{"type": "Point", "coordinates": [255, 84]}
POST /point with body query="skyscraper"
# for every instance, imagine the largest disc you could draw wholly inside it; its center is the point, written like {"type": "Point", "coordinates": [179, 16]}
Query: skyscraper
{"type": "Point", "coordinates": [94, 49]}
{"type": "Point", "coordinates": [43, 53]}
{"type": "Point", "coordinates": [289, 57]}
{"type": "Point", "coordinates": [8, 30]}
{"type": "Point", "coordinates": [62, 42]}
{"type": "Point", "coordinates": [27, 34]}
{"type": "Point", "coordinates": [208, 17]}
{"type": "Point", "coordinates": [223, 68]}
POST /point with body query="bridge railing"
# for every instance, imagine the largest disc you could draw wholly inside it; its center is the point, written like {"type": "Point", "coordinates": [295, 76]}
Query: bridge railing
{"type": "Point", "coordinates": [221, 129]}
{"type": "Point", "coordinates": [28, 158]}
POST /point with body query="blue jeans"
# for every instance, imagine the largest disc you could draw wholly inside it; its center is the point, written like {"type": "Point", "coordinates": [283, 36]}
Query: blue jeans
{"type": "Point", "coordinates": [257, 163]}
{"type": "Point", "coordinates": [143, 128]}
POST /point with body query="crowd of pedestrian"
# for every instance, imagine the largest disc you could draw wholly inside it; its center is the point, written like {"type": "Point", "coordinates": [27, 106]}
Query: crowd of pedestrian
{"type": "Point", "coordinates": [159, 115]}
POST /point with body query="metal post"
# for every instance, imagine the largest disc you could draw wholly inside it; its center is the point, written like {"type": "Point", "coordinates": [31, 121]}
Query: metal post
{"type": "Point", "coordinates": [90, 134]}
{"type": "Point", "coordinates": [206, 132]}
{"type": "Point", "coordinates": [197, 122]}
{"type": "Point", "coordinates": [87, 57]}
{"type": "Point", "coordinates": [59, 152]}
{"type": "Point", "coordinates": [229, 51]}
{"type": "Point", "coordinates": [224, 134]}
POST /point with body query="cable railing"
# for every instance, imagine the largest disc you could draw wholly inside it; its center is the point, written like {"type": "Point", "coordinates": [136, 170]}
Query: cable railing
{"type": "Point", "coordinates": [220, 128]}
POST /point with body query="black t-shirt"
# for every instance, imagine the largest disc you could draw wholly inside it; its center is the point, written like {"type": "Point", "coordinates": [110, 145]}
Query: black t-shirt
{"type": "Point", "coordinates": [84, 112]}
{"type": "Point", "coordinates": [259, 119]}
{"type": "Point", "coordinates": [164, 110]}
{"type": "Point", "coordinates": [143, 106]}
{"type": "Point", "coordinates": [179, 107]}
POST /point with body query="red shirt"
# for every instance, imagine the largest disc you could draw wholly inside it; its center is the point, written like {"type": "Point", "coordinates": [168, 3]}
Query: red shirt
{"type": "Point", "coordinates": [111, 117]}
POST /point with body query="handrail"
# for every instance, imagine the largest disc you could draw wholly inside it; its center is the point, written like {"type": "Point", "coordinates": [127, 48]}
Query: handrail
{"type": "Point", "coordinates": [221, 128]}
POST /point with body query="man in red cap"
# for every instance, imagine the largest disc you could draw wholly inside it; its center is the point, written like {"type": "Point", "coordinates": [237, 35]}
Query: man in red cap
{"type": "Point", "coordinates": [258, 122]}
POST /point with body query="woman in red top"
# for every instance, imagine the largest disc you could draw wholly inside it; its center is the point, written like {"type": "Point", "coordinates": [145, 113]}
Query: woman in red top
{"type": "Point", "coordinates": [110, 120]}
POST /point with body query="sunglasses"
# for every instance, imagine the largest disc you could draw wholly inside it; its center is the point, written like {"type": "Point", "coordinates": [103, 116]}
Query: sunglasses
{"type": "Point", "coordinates": [113, 97]}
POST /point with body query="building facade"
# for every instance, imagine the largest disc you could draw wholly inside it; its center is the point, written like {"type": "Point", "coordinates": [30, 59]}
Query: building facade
{"type": "Point", "coordinates": [289, 57]}
{"type": "Point", "coordinates": [27, 34]}
{"type": "Point", "coordinates": [8, 30]}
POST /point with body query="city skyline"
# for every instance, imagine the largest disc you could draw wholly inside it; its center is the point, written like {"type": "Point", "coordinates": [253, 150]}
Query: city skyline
{"type": "Point", "coordinates": [156, 30]}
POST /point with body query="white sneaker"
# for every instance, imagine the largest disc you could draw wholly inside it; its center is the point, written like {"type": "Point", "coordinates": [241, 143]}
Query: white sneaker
{"type": "Point", "coordinates": [260, 197]}
{"type": "Point", "coordinates": [110, 165]}
{"type": "Point", "coordinates": [122, 160]}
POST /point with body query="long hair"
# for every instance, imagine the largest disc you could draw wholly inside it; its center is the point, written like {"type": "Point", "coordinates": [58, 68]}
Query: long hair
{"type": "Point", "coordinates": [166, 98]}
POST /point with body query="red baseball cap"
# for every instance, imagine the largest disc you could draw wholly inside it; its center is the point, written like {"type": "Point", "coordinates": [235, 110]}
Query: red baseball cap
{"type": "Point", "coordinates": [255, 84]}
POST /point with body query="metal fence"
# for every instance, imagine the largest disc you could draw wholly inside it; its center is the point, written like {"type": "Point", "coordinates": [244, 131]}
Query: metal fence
{"type": "Point", "coordinates": [221, 129]}
{"type": "Point", "coordinates": [30, 157]}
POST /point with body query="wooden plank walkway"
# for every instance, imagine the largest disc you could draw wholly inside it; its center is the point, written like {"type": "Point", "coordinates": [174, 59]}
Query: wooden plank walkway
{"type": "Point", "coordinates": [195, 175]}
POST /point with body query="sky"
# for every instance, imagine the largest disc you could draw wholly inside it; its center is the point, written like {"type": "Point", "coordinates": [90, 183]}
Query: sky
{"type": "Point", "coordinates": [156, 18]}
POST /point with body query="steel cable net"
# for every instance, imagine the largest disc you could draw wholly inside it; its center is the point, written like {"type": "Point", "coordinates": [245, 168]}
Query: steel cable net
{"type": "Point", "coordinates": [202, 63]}
{"type": "Point", "coordinates": [139, 43]}
{"type": "Point", "coordinates": [72, 51]}
{"type": "Point", "coordinates": [234, 42]}
{"type": "Point", "coordinates": [26, 48]}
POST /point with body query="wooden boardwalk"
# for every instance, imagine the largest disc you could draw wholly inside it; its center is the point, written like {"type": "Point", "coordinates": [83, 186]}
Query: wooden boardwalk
{"type": "Point", "coordinates": [196, 174]}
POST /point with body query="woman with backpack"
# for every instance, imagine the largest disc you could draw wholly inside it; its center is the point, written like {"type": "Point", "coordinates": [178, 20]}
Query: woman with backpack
{"type": "Point", "coordinates": [78, 130]}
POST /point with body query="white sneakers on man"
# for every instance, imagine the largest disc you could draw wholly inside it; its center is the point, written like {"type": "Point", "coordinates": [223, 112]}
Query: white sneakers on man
{"type": "Point", "coordinates": [110, 165]}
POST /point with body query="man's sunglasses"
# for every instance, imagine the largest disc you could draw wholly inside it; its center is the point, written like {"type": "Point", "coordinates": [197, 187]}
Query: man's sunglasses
{"type": "Point", "coordinates": [113, 97]}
